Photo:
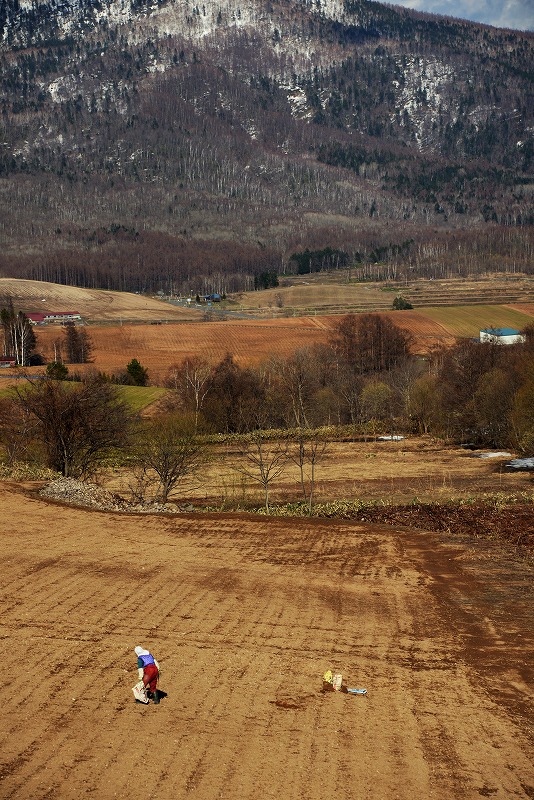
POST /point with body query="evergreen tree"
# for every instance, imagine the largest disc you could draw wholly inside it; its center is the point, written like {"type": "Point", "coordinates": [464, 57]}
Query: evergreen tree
{"type": "Point", "coordinates": [57, 371]}
{"type": "Point", "coordinates": [401, 304]}
{"type": "Point", "coordinates": [266, 280]}
{"type": "Point", "coordinates": [137, 374]}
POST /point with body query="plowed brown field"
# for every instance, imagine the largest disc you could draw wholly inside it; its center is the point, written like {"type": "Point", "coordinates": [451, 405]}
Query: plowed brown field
{"type": "Point", "coordinates": [250, 342]}
{"type": "Point", "coordinates": [157, 347]}
{"type": "Point", "coordinates": [123, 325]}
{"type": "Point", "coordinates": [245, 614]}
{"type": "Point", "coordinates": [524, 308]}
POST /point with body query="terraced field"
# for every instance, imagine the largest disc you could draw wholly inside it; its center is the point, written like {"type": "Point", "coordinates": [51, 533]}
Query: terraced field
{"type": "Point", "coordinates": [336, 293]}
{"type": "Point", "coordinates": [494, 290]}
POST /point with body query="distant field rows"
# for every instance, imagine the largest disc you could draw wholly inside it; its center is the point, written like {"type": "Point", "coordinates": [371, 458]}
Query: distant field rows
{"type": "Point", "coordinates": [250, 342]}
{"type": "Point", "coordinates": [160, 346]}
{"type": "Point", "coordinates": [93, 304]}
{"type": "Point", "coordinates": [470, 320]}
{"type": "Point", "coordinates": [318, 293]}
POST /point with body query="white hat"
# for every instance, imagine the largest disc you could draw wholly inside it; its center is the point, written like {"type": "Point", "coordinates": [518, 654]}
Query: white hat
{"type": "Point", "coordinates": [139, 651]}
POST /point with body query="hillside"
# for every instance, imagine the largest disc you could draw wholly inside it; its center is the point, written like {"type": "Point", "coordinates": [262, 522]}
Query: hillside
{"type": "Point", "coordinates": [94, 305]}
{"type": "Point", "coordinates": [153, 146]}
{"type": "Point", "coordinates": [313, 295]}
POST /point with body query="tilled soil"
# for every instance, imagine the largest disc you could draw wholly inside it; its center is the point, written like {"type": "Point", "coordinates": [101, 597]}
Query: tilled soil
{"type": "Point", "coordinates": [510, 524]}
{"type": "Point", "coordinates": [244, 614]}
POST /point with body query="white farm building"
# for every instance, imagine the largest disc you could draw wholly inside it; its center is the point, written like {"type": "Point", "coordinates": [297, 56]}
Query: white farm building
{"type": "Point", "coordinates": [502, 335]}
{"type": "Point", "coordinates": [62, 317]}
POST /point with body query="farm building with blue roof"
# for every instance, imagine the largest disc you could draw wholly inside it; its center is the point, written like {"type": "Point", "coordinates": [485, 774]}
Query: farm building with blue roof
{"type": "Point", "coordinates": [502, 335]}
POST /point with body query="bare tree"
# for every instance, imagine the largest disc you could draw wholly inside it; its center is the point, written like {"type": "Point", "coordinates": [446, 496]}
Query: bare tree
{"type": "Point", "coordinates": [522, 417]}
{"type": "Point", "coordinates": [191, 382]}
{"type": "Point", "coordinates": [236, 397]}
{"type": "Point", "coordinates": [369, 343]}
{"type": "Point", "coordinates": [298, 381]}
{"type": "Point", "coordinates": [17, 428]}
{"type": "Point", "coordinates": [264, 461]}
{"type": "Point", "coordinates": [310, 447]}
{"type": "Point", "coordinates": [493, 402]}
{"type": "Point", "coordinates": [19, 338]}
{"type": "Point", "coordinates": [77, 424]}
{"type": "Point", "coordinates": [168, 453]}
{"type": "Point", "coordinates": [424, 403]}
{"type": "Point", "coordinates": [376, 401]}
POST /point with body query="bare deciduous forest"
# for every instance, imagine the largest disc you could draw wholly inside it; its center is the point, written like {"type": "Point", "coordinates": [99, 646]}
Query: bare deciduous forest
{"type": "Point", "coordinates": [193, 148]}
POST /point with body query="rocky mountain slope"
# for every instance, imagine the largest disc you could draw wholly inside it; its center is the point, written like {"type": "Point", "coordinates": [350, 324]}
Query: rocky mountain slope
{"type": "Point", "coordinates": [166, 144]}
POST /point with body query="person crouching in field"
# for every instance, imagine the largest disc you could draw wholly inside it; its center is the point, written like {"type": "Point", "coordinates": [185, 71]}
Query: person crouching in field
{"type": "Point", "coordinates": [148, 669]}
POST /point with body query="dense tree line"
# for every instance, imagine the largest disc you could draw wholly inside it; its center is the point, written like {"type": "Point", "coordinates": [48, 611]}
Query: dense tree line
{"type": "Point", "coordinates": [365, 376]}
{"type": "Point", "coordinates": [151, 262]}
{"type": "Point", "coordinates": [19, 338]}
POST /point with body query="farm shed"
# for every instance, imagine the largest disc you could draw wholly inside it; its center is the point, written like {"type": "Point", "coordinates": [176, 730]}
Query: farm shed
{"type": "Point", "coordinates": [502, 335]}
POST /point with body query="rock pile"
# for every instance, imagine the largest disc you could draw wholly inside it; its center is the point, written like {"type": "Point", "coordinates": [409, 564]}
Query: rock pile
{"type": "Point", "coordinates": [80, 493]}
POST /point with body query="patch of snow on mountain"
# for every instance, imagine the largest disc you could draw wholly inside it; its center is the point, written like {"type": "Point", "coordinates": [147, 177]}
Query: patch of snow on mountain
{"type": "Point", "coordinates": [420, 93]}
{"type": "Point", "coordinates": [251, 129]}
{"type": "Point", "coordinates": [334, 9]}
{"type": "Point", "coordinates": [156, 66]}
{"type": "Point", "coordinates": [62, 88]}
{"type": "Point", "coordinates": [194, 20]}
{"type": "Point", "coordinates": [117, 12]}
{"type": "Point", "coordinates": [298, 101]}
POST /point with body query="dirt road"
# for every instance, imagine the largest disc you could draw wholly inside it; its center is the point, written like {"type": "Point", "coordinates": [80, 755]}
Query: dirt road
{"type": "Point", "coordinates": [244, 615]}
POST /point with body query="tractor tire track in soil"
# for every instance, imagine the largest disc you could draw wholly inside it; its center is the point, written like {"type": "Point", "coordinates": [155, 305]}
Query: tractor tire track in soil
{"type": "Point", "coordinates": [244, 614]}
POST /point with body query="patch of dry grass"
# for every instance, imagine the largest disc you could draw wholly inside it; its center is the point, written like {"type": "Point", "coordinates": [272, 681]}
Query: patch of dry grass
{"type": "Point", "coordinates": [416, 469]}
